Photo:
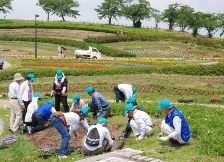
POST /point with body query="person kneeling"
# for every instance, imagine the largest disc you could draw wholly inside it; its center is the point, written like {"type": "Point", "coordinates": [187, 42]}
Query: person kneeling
{"type": "Point", "coordinates": [98, 139]}
{"type": "Point", "coordinates": [141, 123]}
{"type": "Point", "coordinates": [175, 127]}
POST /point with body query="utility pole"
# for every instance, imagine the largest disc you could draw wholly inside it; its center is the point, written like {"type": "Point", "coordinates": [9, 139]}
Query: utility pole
{"type": "Point", "coordinates": [36, 35]}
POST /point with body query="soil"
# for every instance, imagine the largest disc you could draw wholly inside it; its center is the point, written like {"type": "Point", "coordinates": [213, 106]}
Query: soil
{"type": "Point", "coordinates": [50, 138]}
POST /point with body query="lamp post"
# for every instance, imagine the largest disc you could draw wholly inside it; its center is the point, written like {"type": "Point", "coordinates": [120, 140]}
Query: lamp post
{"type": "Point", "coordinates": [36, 35]}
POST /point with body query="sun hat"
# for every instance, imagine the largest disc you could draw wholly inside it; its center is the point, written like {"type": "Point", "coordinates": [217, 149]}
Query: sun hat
{"type": "Point", "coordinates": [128, 108]}
{"type": "Point", "coordinates": [75, 99]}
{"type": "Point", "coordinates": [131, 100]}
{"type": "Point", "coordinates": [102, 120]}
{"type": "Point", "coordinates": [164, 104]}
{"type": "Point", "coordinates": [31, 76]}
{"type": "Point", "coordinates": [37, 95]}
{"type": "Point", "coordinates": [18, 77]}
{"type": "Point", "coordinates": [88, 90]}
{"type": "Point", "coordinates": [59, 74]}
{"type": "Point", "coordinates": [50, 102]}
{"type": "Point", "coordinates": [84, 111]}
{"type": "Point", "coordinates": [134, 89]}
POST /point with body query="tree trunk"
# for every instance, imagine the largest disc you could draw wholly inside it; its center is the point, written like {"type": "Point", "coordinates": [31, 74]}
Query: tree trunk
{"type": "Point", "coordinates": [170, 26]}
{"type": "Point", "coordinates": [195, 32]}
{"type": "Point", "coordinates": [137, 24]}
{"type": "Point", "coordinates": [210, 34]}
{"type": "Point", "coordinates": [110, 20]}
{"type": "Point", "coordinates": [48, 16]}
{"type": "Point", "coordinates": [63, 18]}
{"type": "Point", "coordinates": [182, 28]}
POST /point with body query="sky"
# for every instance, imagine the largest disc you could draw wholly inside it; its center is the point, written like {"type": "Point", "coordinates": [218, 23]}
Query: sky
{"type": "Point", "coordinates": [26, 9]}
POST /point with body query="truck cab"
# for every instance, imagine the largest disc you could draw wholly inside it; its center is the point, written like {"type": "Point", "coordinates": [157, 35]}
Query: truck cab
{"type": "Point", "coordinates": [92, 53]}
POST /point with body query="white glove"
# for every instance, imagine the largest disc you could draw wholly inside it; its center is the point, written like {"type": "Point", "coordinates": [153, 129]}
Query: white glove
{"type": "Point", "coordinates": [163, 139]}
{"type": "Point", "coordinates": [139, 138]}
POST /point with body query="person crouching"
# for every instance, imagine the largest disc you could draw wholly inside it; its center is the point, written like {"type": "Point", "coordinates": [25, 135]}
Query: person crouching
{"type": "Point", "coordinates": [98, 139]}
{"type": "Point", "coordinates": [175, 127]}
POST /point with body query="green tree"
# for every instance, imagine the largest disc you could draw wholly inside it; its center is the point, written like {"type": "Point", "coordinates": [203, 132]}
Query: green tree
{"type": "Point", "coordinates": [48, 6]}
{"type": "Point", "coordinates": [210, 24]}
{"type": "Point", "coordinates": [66, 8]}
{"type": "Point", "coordinates": [183, 16]}
{"type": "Point", "coordinates": [170, 15]}
{"type": "Point", "coordinates": [5, 6]}
{"type": "Point", "coordinates": [157, 17]}
{"type": "Point", "coordinates": [221, 23]}
{"type": "Point", "coordinates": [196, 22]}
{"type": "Point", "coordinates": [109, 9]}
{"type": "Point", "coordinates": [136, 11]}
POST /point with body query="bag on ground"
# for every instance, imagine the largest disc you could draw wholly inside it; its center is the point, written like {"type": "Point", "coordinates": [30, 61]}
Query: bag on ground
{"type": "Point", "coordinates": [93, 137]}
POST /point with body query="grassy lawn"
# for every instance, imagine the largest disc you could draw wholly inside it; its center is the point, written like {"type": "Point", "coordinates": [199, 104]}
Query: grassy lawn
{"type": "Point", "coordinates": [204, 146]}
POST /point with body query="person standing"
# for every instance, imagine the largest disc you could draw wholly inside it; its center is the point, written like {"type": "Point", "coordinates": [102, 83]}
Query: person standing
{"type": "Point", "coordinates": [59, 90]}
{"type": "Point", "coordinates": [141, 123]}
{"type": "Point", "coordinates": [124, 91]}
{"type": "Point", "coordinates": [16, 103]}
{"type": "Point", "coordinates": [175, 127]}
{"type": "Point", "coordinates": [67, 124]}
{"type": "Point", "coordinates": [98, 139]}
{"type": "Point", "coordinates": [77, 104]}
{"type": "Point", "coordinates": [32, 107]}
{"type": "Point", "coordinates": [99, 105]}
{"type": "Point", "coordinates": [26, 91]}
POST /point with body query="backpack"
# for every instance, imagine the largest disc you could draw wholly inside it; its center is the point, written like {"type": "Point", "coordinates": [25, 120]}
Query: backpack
{"type": "Point", "coordinates": [93, 137]}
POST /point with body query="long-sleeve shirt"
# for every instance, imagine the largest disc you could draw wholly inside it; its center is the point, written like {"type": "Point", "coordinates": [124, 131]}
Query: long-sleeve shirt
{"type": "Point", "coordinates": [142, 119]}
{"type": "Point", "coordinates": [103, 133]}
{"type": "Point", "coordinates": [14, 92]}
{"type": "Point", "coordinates": [177, 128]}
{"type": "Point", "coordinates": [24, 91]}
{"type": "Point", "coordinates": [126, 89]}
{"type": "Point", "coordinates": [100, 101]}
{"type": "Point", "coordinates": [32, 107]}
{"type": "Point", "coordinates": [73, 120]}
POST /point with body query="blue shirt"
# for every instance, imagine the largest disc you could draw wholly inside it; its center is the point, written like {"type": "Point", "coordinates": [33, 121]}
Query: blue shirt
{"type": "Point", "coordinates": [100, 101]}
{"type": "Point", "coordinates": [45, 111]}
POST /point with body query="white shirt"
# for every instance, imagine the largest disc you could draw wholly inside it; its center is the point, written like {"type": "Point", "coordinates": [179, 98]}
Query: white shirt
{"type": "Point", "coordinates": [24, 89]}
{"type": "Point", "coordinates": [177, 128]}
{"type": "Point", "coordinates": [126, 89]}
{"type": "Point", "coordinates": [142, 119]}
{"type": "Point", "coordinates": [33, 106]}
{"type": "Point", "coordinates": [73, 120]}
{"type": "Point", "coordinates": [104, 134]}
{"type": "Point", "coordinates": [14, 92]}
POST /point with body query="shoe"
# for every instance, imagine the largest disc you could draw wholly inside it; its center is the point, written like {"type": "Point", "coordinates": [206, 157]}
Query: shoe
{"type": "Point", "coordinates": [21, 129]}
{"type": "Point", "coordinates": [29, 129]}
{"type": "Point", "coordinates": [62, 156]}
{"type": "Point", "coordinates": [10, 130]}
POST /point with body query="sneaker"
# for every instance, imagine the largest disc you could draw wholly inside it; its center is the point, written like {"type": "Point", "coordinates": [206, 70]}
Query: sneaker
{"type": "Point", "coordinates": [62, 156]}
{"type": "Point", "coordinates": [29, 129]}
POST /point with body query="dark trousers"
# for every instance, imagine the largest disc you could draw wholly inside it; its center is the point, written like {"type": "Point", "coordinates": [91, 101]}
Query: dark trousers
{"type": "Point", "coordinates": [119, 95]}
{"type": "Point", "coordinates": [26, 103]}
{"type": "Point", "coordinates": [38, 122]}
{"type": "Point", "coordinates": [58, 100]}
{"type": "Point", "coordinates": [105, 112]}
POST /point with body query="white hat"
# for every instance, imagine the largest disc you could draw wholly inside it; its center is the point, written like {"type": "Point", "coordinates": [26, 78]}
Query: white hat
{"type": "Point", "coordinates": [18, 77]}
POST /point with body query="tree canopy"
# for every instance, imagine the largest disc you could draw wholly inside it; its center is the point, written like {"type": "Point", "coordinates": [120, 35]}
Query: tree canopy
{"type": "Point", "coordinates": [5, 6]}
{"type": "Point", "coordinates": [170, 14]}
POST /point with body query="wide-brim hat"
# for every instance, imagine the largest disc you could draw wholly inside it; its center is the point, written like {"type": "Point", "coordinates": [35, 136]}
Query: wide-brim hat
{"type": "Point", "coordinates": [18, 77]}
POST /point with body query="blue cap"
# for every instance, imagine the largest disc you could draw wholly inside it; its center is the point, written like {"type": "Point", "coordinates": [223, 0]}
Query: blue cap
{"type": "Point", "coordinates": [88, 90]}
{"type": "Point", "coordinates": [164, 104]}
{"type": "Point", "coordinates": [102, 120]}
{"type": "Point", "coordinates": [75, 99]}
{"type": "Point", "coordinates": [131, 100]}
{"type": "Point", "coordinates": [59, 74]}
{"type": "Point", "coordinates": [128, 108]}
{"type": "Point", "coordinates": [134, 89]}
{"type": "Point", "coordinates": [84, 111]}
{"type": "Point", "coordinates": [50, 102]}
{"type": "Point", "coordinates": [31, 76]}
{"type": "Point", "coordinates": [37, 95]}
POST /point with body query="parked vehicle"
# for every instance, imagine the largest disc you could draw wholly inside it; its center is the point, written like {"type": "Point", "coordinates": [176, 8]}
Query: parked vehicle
{"type": "Point", "coordinates": [92, 53]}
{"type": "Point", "coordinates": [1, 64]}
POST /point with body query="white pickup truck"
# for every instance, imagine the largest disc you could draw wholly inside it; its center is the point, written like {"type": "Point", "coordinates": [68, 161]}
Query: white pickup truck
{"type": "Point", "coordinates": [92, 53]}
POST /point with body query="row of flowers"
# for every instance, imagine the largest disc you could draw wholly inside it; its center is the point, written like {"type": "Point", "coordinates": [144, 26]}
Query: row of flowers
{"type": "Point", "coordinates": [69, 65]}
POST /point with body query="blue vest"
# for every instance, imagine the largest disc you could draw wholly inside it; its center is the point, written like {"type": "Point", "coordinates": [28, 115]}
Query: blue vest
{"type": "Point", "coordinates": [45, 111]}
{"type": "Point", "coordinates": [185, 131]}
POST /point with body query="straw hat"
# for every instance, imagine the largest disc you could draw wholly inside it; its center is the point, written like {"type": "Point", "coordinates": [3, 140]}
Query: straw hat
{"type": "Point", "coordinates": [18, 77]}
